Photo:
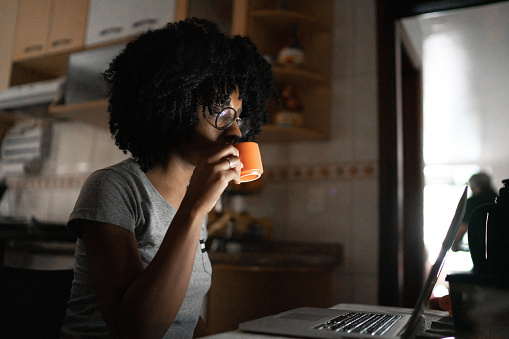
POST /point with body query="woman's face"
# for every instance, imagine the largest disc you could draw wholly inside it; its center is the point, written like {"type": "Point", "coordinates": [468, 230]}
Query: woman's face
{"type": "Point", "coordinates": [207, 136]}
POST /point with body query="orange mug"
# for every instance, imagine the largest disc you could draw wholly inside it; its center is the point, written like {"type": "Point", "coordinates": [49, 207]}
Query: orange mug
{"type": "Point", "coordinates": [249, 154]}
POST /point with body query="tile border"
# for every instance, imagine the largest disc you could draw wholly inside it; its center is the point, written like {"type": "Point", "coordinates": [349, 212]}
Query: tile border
{"type": "Point", "coordinates": [286, 173]}
{"type": "Point", "coordinates": [308, 172]}
{"type": "Point", "coordinates": [53, 181]}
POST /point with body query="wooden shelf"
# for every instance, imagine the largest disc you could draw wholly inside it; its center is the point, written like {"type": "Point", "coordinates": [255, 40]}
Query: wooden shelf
{"type": "Point", "coordinates": [289, 74]}
{"type": "Point", "coordinates": [93, 112]}
{"type": "Point", "coordinates": [282, 20]}
{"type": "Point", "coordinates": [50, 65]}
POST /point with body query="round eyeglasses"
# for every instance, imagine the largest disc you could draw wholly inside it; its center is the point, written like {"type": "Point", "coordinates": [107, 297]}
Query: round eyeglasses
{"type": "Point", "coordinates": [227, 117]}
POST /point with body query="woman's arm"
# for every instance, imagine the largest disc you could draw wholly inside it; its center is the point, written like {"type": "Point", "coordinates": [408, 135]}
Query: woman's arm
{"type": "Point", "coordinates": [139, 303]}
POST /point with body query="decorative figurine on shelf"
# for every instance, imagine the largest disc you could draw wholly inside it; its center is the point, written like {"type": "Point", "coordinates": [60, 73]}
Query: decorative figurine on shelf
{"type": "Point", "coordinates": [293, 53]}
{"type": "Point", "coordinates": [290, 113]}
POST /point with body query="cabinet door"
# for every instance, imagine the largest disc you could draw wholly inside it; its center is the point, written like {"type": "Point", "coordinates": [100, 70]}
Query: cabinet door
{"type": "Point", "coordinates": [68, 22]}
{"type": "Point", "coordinates": [8, 12]}
{"type": "Point", "coordinates": [155, 15]}
{"type": "Point", "coordinates": [111, 20]}
{"type": "Point", "coordinates": [31, 28]}
{"type": "Point", "coordinates": [108, 20]}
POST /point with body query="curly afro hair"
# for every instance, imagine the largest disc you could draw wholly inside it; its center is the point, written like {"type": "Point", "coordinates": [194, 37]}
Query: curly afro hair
{"type": "Point", "coordinates": [157, 83]}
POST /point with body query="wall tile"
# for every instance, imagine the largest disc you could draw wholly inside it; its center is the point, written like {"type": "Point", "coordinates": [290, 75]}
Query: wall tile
{"type": "Point", "coordinates": [343, 22]}
{"type": "Point", "coordinates": [72, 146]}
{"type": "Point", "coordinates": [365, 37]}
{"type": "Point", "coordinates": [308, 152]}
{"type": "Point", "coordinates": [365, 288]}
{"type": "Point", "coordinates": [343, 38]}
{"type": "Point", "coordinates": [274, 154]}
{"type": "Point", "coordinates": [62, 204]}
{"type": "Point", "coordinates": [341, 287]}
{"type": "Point", "coordinates": [365, 226]}
{"type": "Point", "coordinates": [342, 129]}
{"type": "Point", "coordinates": [33, 202]}
{"type": "Point", "coordinates": [366, 118]}
{"type": "Point", "coordinates": [105, 152]}
{"type": "Point", "coordinates": [343, 62]}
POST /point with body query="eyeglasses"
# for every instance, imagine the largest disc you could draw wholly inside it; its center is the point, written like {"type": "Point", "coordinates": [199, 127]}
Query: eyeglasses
{"type": "Point", "coordinates": [227, 117]}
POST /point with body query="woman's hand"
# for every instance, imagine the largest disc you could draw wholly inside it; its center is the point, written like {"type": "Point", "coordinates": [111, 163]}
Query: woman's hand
{"type": "Point", "coordinates": [214, 171]}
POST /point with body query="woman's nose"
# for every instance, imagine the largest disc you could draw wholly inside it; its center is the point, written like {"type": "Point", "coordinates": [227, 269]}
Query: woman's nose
{"type": "Point", "coordinates": [233, 132]}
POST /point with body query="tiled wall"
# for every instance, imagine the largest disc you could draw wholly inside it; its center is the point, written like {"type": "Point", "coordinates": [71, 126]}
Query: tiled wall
{"type": "Point", "coordinates": [328, 191]}
{"type": "Point", "coordinates": [77, 149]}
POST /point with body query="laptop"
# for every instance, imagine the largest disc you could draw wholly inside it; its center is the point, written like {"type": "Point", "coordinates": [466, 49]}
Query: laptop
{"type": "Point", "coordinates": [385, 322]}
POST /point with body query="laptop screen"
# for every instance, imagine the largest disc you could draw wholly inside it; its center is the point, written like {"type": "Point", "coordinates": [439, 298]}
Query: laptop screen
{"type": "Point", "coordinates": [435, 270]}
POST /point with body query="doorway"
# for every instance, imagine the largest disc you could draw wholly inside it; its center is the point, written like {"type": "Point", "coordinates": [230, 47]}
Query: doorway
{"type": "Point", "coordinates": [395, 247]}
{"type": "Point", "coordinates": [465, 76]}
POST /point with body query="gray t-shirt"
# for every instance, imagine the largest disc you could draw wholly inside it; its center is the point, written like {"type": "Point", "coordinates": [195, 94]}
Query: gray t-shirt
{"type": "Point", "coordinates": [122, 195]}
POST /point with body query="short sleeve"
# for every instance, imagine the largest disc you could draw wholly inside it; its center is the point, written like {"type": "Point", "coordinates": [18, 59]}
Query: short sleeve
{"type": "Point", "coordinates": [105, 197]}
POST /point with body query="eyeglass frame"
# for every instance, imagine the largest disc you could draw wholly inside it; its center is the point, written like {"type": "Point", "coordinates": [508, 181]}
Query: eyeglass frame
{"type": "Point", "coordinates": [235, 119]}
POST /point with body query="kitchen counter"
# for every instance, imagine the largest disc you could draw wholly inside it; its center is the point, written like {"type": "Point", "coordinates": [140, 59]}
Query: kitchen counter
{"type": "Point", "coordinates": [279, 254]}
{"type": "Point", "coordinates": [35, 236]}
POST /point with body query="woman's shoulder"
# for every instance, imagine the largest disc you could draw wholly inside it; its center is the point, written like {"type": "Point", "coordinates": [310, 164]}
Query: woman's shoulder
{"type": "Point", "coordinates": [125, 169]}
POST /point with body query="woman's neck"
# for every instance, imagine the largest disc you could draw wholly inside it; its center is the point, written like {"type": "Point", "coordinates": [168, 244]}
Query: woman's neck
{"type": "Point", "coordinates": [171, 180]}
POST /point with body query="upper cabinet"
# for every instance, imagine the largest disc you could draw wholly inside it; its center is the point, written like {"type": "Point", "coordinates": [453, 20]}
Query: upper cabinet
{"type": "Point", "coordinates": [294, 35]}
{"type": "Point", "coordinates": [48, 26]}
{"type": "Point", "coordinates": [111, 20]}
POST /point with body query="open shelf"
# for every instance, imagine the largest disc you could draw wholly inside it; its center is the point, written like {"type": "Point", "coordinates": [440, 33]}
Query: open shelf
{"type": "Point", "coordinates": [95, 113]}
{"type": "Point", "coordinates": [282, 20]}
{"type": "Point", "coordinates": [92, 112]}
{"type": "Point", "coordinates": [295, 75]}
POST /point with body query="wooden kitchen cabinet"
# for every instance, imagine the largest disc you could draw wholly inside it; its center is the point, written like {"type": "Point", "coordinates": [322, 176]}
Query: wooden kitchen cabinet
{"type": "Point", "coordinates": [48, 26]}
{"type": "Point", "coordinates": [32, 28]}
{"type": "Point", "coordinates": [268, 278]}
{"type": "Point", "coordinates": [68, 24]}
{"type": "Point", "coordinates": [111, 20]}
{"type": "Point", "coordinates": [241, 293]}
{"type": "Point", "coordinates": [8, 10]}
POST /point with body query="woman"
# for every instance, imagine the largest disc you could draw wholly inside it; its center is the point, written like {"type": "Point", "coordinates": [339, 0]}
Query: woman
{"type": "Point", "coordinates": [180, 97]}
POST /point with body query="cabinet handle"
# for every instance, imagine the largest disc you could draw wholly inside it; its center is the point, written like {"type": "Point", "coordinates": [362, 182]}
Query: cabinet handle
{"type": "Point", "coordinates": [33, 48]}
{"type": "Point", "coordinates": [60, 42]}
{"type": "Point", "coordinates": [110, 30]}
{"type": "Point", "coordinates": [143, 22]}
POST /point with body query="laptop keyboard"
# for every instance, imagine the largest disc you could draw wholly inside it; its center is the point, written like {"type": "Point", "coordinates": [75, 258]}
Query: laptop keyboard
{"type": "Point", "coordinates": [360, 322]}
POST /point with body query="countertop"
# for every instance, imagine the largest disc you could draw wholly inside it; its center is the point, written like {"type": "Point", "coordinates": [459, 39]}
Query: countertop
{"type": "Point", "coordinates": [279, 254]}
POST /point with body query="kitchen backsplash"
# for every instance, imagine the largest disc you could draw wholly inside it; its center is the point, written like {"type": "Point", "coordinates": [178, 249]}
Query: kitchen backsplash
{"type": "Point", "coordinates": [48, 193]}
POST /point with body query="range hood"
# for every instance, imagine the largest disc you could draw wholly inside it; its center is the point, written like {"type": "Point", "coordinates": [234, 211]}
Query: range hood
{"type": "Point", "coordinates": [31, 94]}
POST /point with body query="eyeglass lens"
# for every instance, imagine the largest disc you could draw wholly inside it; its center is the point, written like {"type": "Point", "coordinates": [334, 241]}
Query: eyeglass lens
{"type": "Point", "coordinates": [225, 118]}
{"type": "Point", "coordinates": [228, 116]}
